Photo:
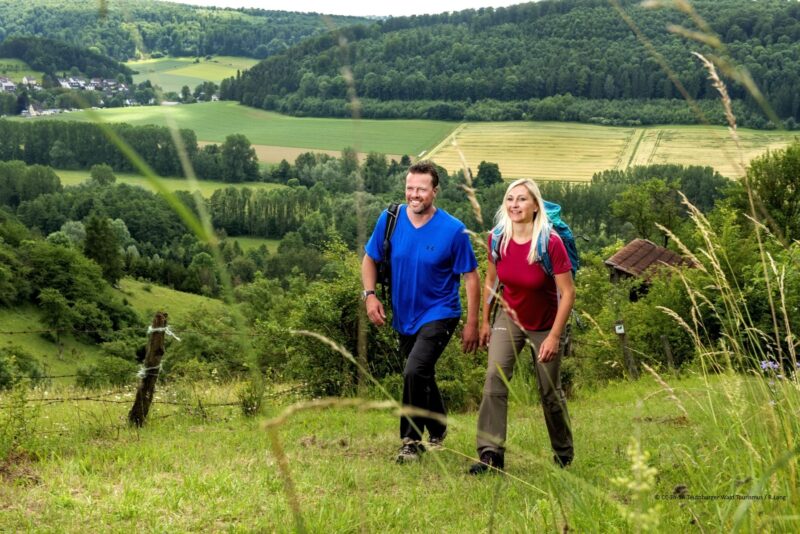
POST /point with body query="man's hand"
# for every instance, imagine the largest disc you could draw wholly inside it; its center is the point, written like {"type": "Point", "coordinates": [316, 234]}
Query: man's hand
{"type": "Point", "coordinates": [375, 311]}
{"type": "Point", "coordinates": [549, 348]}
{"type": "Point", "coordinates": [469, 337]}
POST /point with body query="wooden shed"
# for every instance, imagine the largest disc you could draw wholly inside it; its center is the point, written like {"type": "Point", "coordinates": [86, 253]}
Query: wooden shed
{"type": "Point", "coordinates": [641, 258]}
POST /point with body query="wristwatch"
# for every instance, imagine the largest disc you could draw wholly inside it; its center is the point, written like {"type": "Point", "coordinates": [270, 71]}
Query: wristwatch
{"type": "Point", "coordinates": [366, 293]}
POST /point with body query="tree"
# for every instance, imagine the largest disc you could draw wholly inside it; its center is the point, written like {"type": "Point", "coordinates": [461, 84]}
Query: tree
{"type": "Point", "coordinates": [239, 160]}
{"type": "Point", "coordinates": [644, 205]}
{"type": "Point", "coordinates": [488, 175]}
{"type": "Point", "coordinates": [57, 314]}
{"type": "Point", "coordinates": [75, 231]}
{"type": "Point", "coordinates": [102, 246]}
{"type": "Point", "coordinates": [102, 174]}
{"type": "Point", "coordinates": [773, 180]}
{"type": "Point", "coordinates": [61, 156]}
{"type": "Point", "coordinates": [186, 95]}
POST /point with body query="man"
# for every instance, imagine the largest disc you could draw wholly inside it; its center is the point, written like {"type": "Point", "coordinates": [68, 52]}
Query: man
{"type": "Point", "coordinates": [430, 251]}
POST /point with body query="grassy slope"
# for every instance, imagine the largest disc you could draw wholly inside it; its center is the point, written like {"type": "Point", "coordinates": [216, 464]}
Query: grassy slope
{"type": "Point", "coordinates": [57, 362]}
{"type": "Point", "coordinates": [248, 243]}
{"type": "Point", "coordinates": [16, 69]}
{"type": "Point", "coordinates": [205, 187]}
{"type": "Point", "coordinates": [145, 301]}
{"type": "Point", "coordinates": [171, 74]}
{"type": "Point", "coordinates": [184, 472]}
{"type": "Point", "coordinates": [213, 121]}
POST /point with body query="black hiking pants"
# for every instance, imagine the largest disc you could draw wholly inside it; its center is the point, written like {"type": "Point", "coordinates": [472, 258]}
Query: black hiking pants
{"type": "Point", "coordinates": [422, 351]}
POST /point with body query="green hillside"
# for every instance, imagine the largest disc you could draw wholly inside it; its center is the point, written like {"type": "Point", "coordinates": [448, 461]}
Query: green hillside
{"type": "Point", "coordinates": [505, 63]}
{"type": "Point", "coordinates": [141, 28]}
{"type": "Point", "coordinates": [16, 69]}
{"type": "Point", "coordinates": [23, 326]}
{"type": "Point", "coordinates": [171, 74]}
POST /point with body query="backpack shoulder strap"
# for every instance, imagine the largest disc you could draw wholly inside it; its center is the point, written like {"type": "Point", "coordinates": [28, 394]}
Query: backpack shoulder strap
{"type": "Point", "coordinates": [543, 253]}
{"type": "Point", "coordinates": [496, 241]}
{"type": "Point", "coordinates": [391, 222]}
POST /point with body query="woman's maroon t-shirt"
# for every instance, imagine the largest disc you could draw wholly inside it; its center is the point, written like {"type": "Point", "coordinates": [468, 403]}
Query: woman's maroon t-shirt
{"type": "Point", "coordinates": [528, 290]}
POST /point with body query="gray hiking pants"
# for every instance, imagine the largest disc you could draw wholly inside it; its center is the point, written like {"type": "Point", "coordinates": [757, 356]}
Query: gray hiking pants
{"type": "Point", "coordinates": [506, 343]}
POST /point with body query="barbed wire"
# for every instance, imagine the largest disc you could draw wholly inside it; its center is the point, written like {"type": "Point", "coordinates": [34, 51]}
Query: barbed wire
{"type": "Point", "coordinates": [102, 398]}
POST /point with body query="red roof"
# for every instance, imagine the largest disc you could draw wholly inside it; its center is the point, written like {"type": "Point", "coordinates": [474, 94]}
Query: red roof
{"type": "Point", "coordinates": [640, 255]}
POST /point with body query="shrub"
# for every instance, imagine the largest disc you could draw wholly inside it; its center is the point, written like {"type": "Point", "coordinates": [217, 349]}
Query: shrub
{"type": "Point", "coordinates": [109, 371]}
{"type": "Point", "coordinates": [17, 364]}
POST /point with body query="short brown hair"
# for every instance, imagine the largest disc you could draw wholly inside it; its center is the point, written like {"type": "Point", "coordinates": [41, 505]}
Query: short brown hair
{"type": "Point", "coordinates": [425, 167]}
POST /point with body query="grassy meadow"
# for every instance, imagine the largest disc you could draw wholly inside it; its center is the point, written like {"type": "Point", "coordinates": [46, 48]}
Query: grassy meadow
{"type": "Point", "coordinates": [144, 297]}
{"type": "Point", "coordinates": [16, 69]}
{"type": "Point", "coordinates": [200, 467]}
{"type": "Point", "coordinates": [213, 121]}
{"type": "Point", "coordinates": [568, 151]}
{"type": "Point", "coordinates": [172, 73]}
{"type": "Point", "coordinates": [248, 243]}
{"type": "Point", "coordinates": [206, 187]}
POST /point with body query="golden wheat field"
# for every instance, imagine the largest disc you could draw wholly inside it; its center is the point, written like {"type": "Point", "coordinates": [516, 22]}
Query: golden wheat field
{"type": "Point", "coordinates": [573, 152]}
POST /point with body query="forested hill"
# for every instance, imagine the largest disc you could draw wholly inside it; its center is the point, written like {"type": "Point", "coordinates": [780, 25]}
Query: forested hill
{"type": "Point", "coordinates": [528, 51]}
{"type": "Point", "coordinates": [53, 58]}
{"type": "Point", "coordinates": [126, 29]}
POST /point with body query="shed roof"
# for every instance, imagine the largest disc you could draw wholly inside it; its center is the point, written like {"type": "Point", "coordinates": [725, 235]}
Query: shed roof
{"type": "Point", "coordinates": [640, 255]}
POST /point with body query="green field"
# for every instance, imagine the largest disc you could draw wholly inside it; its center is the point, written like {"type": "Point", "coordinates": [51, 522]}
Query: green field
{"type": "Point", "coordinates": [568, 151]}
{"type": "Point", "coordinates": [205, 187]}
{"type": "Point", "coordinates": [16, 69]}
{"type": "Point", "coordinates": [213, 121]}
{"type": "Point", "coordinates": [249, 243]}
{"type": "Point", "coordinates": [171, 74]}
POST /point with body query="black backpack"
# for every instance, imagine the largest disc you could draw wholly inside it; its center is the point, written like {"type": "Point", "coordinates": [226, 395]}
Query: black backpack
{"type": "Point", "coordinates": [385, 266]}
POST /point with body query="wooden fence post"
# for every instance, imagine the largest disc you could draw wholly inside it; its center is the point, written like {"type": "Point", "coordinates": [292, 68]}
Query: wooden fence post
{"type": "Point", "coordinates": [152, 366]}
{"type": "Point", "coordinates": [630, 362]}
{"type": "Point", "coordinates": [668, 353]}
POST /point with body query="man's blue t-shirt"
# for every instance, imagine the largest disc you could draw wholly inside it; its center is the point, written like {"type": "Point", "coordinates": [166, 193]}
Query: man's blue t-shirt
{"type": "Point", "coordinates": [427, 264]}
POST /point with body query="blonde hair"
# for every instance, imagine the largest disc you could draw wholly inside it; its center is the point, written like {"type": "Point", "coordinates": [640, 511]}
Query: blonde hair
{"type": "Point", "coordinates": [504, 231]}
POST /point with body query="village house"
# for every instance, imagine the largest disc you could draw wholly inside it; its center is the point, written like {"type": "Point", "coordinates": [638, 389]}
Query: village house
{"type": "Point", "coordinates": [7, 85]}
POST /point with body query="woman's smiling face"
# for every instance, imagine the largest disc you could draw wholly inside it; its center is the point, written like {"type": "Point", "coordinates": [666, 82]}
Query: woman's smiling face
{"type": "Point", "coordinates": [520, 205]}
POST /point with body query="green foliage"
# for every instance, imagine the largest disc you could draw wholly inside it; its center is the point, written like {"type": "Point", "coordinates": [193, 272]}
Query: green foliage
{"type": "Point", "coordinates": [108, 371]}
{"type": "Point", "coordinates": [488, 175]}
{"type": "Point", "coordinates": [56, 313]}
{"type": "Point", "coordinates": [19, 182]}
{"type": "Point", "coordinates": [238, 160]}
{"type": "Point", "coordinates": [510, 64]}
{"type": "Point", "coordinates": [773, 181]}
{"type": "Point", "coordinates": [102, 174]}
{"type": "Point", "coordinates": [17, 420]}
{"type": "Point", "coordinates": [71, 144]}
{"type": "Point", "coordinates": [54, 57]}
{"type": "Point", "coordinates": [16, 365]}
{"type": "Point", "coordinates": [141, 27]}
{"type": "Point", "coordinates": [210, 338]}
{"type": "Point", "coordinates": [103, 246]}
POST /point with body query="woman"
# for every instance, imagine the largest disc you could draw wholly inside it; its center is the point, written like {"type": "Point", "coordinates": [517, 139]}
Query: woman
{"type": "Point", "coordinates": [535, 310]}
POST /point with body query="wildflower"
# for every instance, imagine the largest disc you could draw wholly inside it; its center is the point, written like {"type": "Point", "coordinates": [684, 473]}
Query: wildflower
{"type": "Point", "coordinates": [769, 365]}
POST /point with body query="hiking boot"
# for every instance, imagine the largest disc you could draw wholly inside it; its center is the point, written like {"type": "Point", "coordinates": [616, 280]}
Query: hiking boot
{"type": "Point", "coordinates": [562, 461]}
{"type": "Point", "coordinates": [410, 451]}
{"type": "Point", "coordinates": [489, 460]}
{"type": "Point", "coordinates": [437, 443]}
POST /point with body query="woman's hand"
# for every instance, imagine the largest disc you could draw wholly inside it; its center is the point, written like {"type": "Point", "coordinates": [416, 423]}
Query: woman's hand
{"type": "Point", "coordinates": [548, 350]}
{"type": "Point", "coordinates": [485, 334]}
